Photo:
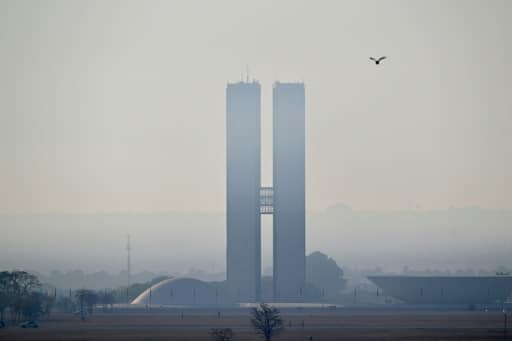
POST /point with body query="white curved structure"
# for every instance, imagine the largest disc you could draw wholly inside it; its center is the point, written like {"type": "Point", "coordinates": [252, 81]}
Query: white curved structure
{"type": "Point", "coordinates": [181, 291]}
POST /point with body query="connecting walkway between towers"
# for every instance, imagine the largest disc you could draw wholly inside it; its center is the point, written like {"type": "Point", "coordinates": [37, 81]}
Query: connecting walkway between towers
{"type": "Point", "coordinates": [266, 200]}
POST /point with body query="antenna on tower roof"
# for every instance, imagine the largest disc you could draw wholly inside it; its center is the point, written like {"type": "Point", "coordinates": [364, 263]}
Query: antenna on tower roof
{"type": "Point", "coordinates": [247, 74]}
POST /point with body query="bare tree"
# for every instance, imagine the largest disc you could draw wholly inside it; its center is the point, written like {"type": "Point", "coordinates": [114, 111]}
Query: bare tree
{"type": "Point", "coordinates": [86, 300]}
{"type": "Point", "coordinates": [31, 305]}
{"type": "Point", "coordinates": [16, 288]}
{"type": "Point", "coordinates": [80, 296]}
{"type": "Point", "coordinates": [91, 298]}
{"type": "Point", "coordinates": [221, 334]}
{"type": "Point", "coordinates": [267, 321]}
{"type": "Point", "coordinates": [107, 299]}
{"type": "Point", "coordinates": [48, 303]}
{"type": "Point", "coordinates": [65, 304]}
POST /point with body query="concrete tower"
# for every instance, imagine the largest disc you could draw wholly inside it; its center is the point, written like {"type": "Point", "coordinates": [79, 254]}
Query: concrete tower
{"type": "Point", "coordinates": [289, 191]}
{"type": "Point", "coordinates": [243, 191]}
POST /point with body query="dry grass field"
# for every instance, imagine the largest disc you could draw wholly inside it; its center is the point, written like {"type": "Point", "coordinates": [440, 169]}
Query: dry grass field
{"type": "Point", "coordinates": [321, 325]}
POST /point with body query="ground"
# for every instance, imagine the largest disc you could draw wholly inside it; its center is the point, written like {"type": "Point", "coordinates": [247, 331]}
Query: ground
{"type": "Point", "coordinates": [321, 324]}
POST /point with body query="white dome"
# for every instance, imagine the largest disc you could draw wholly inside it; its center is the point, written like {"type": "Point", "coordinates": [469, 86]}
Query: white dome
{"type": "Point", "coordinates": [180, 291]}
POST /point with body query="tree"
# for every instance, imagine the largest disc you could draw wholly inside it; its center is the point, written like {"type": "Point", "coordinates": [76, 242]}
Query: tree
{"type": "Point", "coordinates": [22, 285]}
{"type": "Point", "coordinates": [107, 299]}
{"type": "Point", "coordinates": [32, 305]}
{"type": "Point", "coordinates": [221, 334]}
{"type": "Point", "coordinates": [267, 321]}
{"type": "Point", "coordinates": [91, 298]}
{"type": "Point", "coordinates": [48, 302]}
{"type": "Point", "coordinates": [5, 299]}
{"type": "Point", "coordinates": [323, 272]}
{"type": "Point", "coordinates": [86, 299]}
{"type": "Point", "coordinates": [65, 305]}
{"type": "Point", "coordinates": [81, 296]}
{"type": "Point", "coordinates": [16, 289]}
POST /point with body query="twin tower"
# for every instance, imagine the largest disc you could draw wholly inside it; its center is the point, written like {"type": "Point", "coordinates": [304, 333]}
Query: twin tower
{"type": "Point", "coordinates": [247, 199]}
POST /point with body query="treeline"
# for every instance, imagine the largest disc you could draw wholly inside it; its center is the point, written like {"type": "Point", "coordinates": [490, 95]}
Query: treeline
{"type": "Point", "coordinates": [83, 301]}
{"type": "Point", "coordinates": [21, 296]}
{"type": "Point", "coordinates": [77, 279]}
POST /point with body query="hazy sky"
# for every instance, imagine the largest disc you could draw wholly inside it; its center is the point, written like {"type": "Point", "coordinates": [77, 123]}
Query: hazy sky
{"type": "Point", "coordinates": [441, 239]}
{"type": "Point", "coordinates": [119, 106]}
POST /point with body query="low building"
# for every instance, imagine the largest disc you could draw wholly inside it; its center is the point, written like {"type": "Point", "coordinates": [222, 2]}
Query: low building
{"type": "Point", "coordinates": [446, 289]}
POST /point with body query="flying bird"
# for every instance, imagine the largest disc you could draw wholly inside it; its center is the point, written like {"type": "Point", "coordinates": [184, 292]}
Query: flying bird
{"type": "Point", "coordinates": [377, 61]}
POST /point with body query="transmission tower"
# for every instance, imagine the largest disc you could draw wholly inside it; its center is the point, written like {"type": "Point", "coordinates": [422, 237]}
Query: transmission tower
{"type": "Point", "coordinates": [129, 264]}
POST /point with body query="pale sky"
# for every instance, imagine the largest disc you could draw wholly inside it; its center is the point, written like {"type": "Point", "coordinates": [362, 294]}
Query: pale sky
{"type": "Point", "coordinates": [119, 106]}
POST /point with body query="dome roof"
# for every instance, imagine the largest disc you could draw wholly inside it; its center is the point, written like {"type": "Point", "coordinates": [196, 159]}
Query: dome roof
{"type": "Point", "coordinates": [180, 291]}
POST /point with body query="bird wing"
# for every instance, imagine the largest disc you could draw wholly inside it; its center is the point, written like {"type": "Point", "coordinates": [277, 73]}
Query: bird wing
{"type": "Point", "coordinates": [382, 58]}
{"type": "Point", "coordinates": [371, 58]}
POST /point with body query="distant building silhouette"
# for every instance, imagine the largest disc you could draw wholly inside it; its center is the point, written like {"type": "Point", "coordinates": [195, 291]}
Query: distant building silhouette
{"type": "Point", "coordinates": [454, 290]}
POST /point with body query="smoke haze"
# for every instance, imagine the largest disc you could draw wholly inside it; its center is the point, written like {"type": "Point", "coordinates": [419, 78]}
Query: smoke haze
{"type": "Point", "coordinates": [457, 238]}
{"type": "Point", "coordinates": [111, 111]}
